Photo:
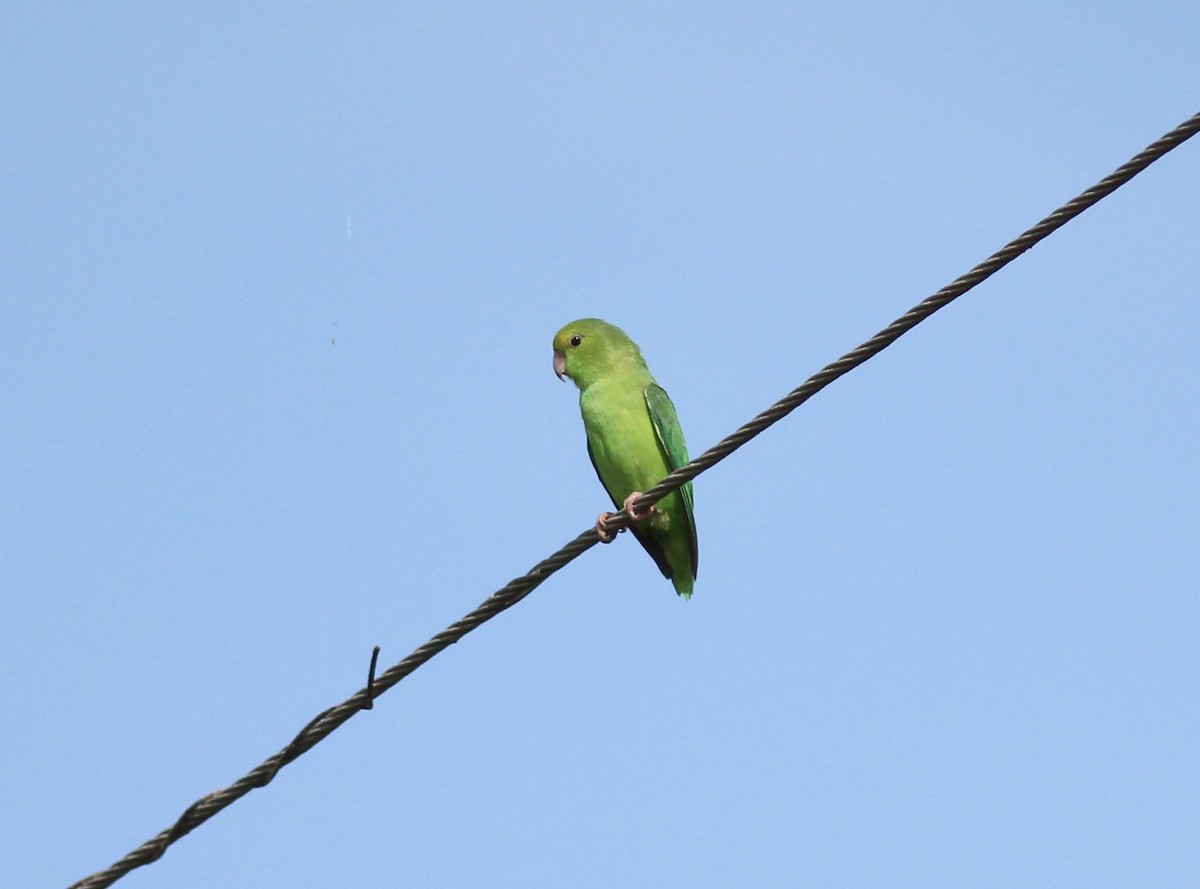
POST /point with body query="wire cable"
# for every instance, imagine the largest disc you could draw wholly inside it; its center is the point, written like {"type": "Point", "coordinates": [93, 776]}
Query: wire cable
{"type": "Point", "coordinates": [517, 589]}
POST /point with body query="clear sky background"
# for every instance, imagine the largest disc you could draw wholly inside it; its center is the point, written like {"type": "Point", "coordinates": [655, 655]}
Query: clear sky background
{"type": "Point", "coordinates": [279, 285]}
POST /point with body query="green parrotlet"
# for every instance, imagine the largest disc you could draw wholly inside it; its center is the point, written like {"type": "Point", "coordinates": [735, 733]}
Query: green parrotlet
{"type": "Point", "coordinates": [634, 440]}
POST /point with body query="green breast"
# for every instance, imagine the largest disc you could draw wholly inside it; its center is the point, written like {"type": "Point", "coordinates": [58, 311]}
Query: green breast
{"type": "Point", "coordinates": [621, 438]}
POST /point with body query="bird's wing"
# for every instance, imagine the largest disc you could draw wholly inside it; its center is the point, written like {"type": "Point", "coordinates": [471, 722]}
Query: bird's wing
{"type": "Point", "coordinates": [670, 437]}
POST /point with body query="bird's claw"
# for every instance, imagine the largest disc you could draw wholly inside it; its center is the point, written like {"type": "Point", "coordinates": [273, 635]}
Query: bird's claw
{"type": "Point", "coordinates": [605, 535]}
{"type": "Point", "coordinates": [635, 515]}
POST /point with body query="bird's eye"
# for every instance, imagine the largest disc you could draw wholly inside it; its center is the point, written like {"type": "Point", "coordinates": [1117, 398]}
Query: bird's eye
{"type": "Point", "coordinates": [576, 340]}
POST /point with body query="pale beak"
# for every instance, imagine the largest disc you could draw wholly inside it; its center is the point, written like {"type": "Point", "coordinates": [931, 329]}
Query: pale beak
{"type": "Point", "coordinates": [560, 366]}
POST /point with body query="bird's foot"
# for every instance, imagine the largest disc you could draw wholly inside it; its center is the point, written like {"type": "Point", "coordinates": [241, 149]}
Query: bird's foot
{"type": "Point", "coordinates": [635, 514]}
{"type": "Point", "coordinates": [605, 535]}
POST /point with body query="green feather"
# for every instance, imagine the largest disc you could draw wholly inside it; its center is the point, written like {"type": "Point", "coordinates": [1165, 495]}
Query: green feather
{"type": "Point", "coordinates": [634, 438]}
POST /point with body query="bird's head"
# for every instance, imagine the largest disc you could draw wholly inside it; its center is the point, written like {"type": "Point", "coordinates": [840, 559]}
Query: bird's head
{"type": "Point", "coordinates": [588, 349]}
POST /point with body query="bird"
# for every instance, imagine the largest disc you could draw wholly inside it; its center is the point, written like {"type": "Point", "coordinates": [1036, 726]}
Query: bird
{"type": "Point", "coordinates": [633, 439]}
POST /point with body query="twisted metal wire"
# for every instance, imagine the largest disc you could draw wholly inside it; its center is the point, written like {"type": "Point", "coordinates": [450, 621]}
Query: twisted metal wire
{"type": "Point", "coordinates": [517, 589]}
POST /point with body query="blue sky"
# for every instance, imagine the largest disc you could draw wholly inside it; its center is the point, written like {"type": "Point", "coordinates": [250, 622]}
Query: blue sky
{"type": "Point", "coordinates": [279, 289]}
